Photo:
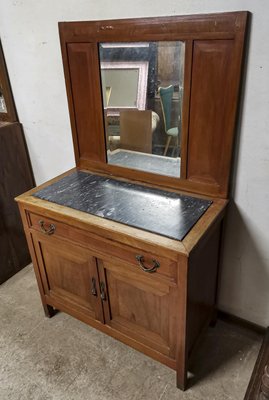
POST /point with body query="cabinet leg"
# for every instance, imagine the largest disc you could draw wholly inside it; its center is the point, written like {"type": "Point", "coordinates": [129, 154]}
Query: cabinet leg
{"type": "Point", "coordinates": [49, 311]}
{"type": "Point", "coordinates": [182, 379]}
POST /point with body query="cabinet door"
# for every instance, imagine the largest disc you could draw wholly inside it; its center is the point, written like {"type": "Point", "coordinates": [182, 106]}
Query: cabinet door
{"type": "Point", "coordinates": [140, 305]}
{"type": "Point", "coordinates": [69, 275]}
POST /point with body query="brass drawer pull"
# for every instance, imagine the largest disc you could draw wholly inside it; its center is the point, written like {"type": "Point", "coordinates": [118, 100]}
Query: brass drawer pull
{"type": "Point", "coordinates": [48, 231]}
{"type": "Point", "coordinates": [94, 290]}
{"type": "Point", "coordinates": [144, 268]}
{"type": "Point", "coordinates": [103, 292]}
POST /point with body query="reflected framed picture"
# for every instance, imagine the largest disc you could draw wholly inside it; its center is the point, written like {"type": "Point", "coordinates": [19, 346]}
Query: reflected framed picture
{"type": "Point", "coordinates": [124, 85]}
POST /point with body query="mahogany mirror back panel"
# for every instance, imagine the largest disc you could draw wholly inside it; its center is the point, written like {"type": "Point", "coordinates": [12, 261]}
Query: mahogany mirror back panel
{"type": "Point", "coordinates": [214, 45]}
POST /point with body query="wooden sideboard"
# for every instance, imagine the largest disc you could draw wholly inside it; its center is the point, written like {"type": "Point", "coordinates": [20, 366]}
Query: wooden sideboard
{"type": "Point", "coordinates": [15, 178]}
{"type": "Point", "coordinates": [87, 267]}
{"type": "Point", "coordinates": [153, 291]}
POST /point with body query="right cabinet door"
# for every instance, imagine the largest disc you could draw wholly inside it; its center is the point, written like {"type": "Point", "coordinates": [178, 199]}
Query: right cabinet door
{"type": "Point", "coordinates": [140, 305]}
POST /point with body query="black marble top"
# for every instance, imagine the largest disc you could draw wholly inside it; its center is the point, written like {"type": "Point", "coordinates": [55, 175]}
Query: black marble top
{"type": "Point", "coordinates": [165, 213]}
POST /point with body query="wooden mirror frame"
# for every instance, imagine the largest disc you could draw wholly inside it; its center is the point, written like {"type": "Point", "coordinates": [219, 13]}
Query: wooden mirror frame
{"type": "Point", "coordinates": [213, 62]}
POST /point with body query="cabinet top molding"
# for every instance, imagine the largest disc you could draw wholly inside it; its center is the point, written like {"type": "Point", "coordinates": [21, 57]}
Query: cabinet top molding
{"type": "Point", "coordinates": [227, 23]}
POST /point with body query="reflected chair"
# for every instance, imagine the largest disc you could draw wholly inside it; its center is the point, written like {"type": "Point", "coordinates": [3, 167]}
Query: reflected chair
{"type": "Point", "coordinates": [166, 95]}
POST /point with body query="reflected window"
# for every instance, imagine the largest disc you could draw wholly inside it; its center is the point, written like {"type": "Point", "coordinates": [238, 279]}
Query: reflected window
{"type": "Point", "coordinates": [142, 89]}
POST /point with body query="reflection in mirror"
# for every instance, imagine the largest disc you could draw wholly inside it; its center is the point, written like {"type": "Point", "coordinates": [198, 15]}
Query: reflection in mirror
{"type": "Point", "coordinates": [142, 88]}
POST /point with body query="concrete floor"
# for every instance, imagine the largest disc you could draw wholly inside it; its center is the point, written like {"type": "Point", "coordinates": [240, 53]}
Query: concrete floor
{"type": "Point", "coordinates": [64, 359]}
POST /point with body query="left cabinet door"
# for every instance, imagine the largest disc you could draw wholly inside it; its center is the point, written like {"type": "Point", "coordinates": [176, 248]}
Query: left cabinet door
{"type": "Point", "coordinates": [69, 276]}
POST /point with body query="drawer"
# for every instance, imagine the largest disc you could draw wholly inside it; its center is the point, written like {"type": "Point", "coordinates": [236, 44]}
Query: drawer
{"type": "Point", "coordinates": [48, 226]}
{"type": "Point", "coordinates": [139, 259]}
{"type": "Point", "coordinates": [148, 264]}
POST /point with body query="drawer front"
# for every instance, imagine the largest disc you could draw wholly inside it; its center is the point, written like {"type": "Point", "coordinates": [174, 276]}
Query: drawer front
{"type": "Point", "coordinates": [135, 259]}
{"type": "Point", "coordinates": [48, 226]}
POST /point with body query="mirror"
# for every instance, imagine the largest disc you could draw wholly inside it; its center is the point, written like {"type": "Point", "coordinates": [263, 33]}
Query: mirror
{"type": "Point", "coordinates": [142, 89]}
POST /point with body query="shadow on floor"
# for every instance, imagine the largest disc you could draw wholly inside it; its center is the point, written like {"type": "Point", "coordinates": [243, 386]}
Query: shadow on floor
{"type": "Point", "coordinates": [223, 347]}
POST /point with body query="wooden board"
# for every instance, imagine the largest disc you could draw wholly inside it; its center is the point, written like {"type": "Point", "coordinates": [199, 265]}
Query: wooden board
{"type": "Point", "coordinates": [15, 178]}
{"type": "Point", "coordinates": [258, 387]}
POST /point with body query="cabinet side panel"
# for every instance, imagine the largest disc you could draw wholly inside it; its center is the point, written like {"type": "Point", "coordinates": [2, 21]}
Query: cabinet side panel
{"type": "Point", "coordinates": [47, 309]}
{"type": "Point", "coordinates": [202, 285]}
{"type": "Point", "coordinates": [213, 100]}
{"type": "Point", "coordinates": [85, 88]}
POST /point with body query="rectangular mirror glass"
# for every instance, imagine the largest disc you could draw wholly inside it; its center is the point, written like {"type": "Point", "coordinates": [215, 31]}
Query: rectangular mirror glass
{"type": "Point", "coordinates": [142, 89]}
